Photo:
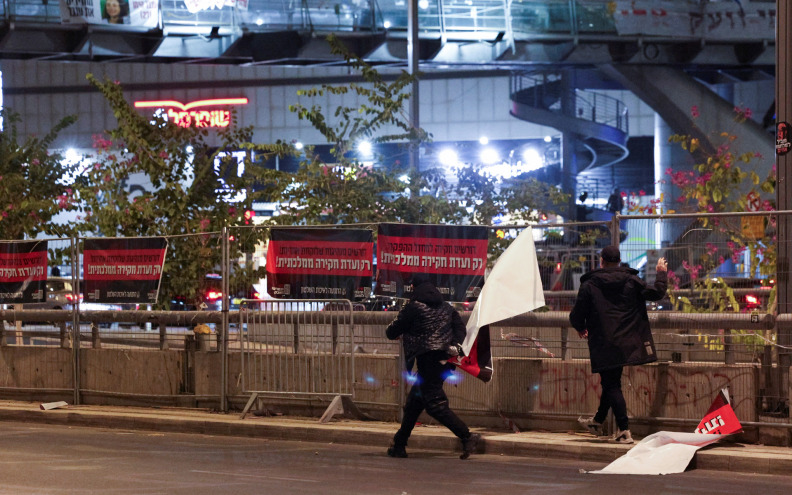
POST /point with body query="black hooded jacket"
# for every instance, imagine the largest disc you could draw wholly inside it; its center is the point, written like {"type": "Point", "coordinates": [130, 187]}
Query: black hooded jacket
{"type": "Point", "coordinates": [611, 305]}
{"type": "Point", "coordinates": [426, 323]}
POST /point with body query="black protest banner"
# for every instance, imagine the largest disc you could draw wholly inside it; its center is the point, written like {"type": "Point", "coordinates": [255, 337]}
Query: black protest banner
{"type": "Point", "coordinates": [320, 263]}
{"type": "Point", "coordinates": [23, 272]}
{"type": "Point", "coordinates": [452, 257]}
{"type": "Point", "coordinates": [123, 270]}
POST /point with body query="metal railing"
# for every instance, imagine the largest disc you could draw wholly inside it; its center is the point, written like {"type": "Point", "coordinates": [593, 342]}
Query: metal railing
{"type": "Point", "coordinates": [288, 347]}
{"type": "Point", "coordinates": [544, 90]}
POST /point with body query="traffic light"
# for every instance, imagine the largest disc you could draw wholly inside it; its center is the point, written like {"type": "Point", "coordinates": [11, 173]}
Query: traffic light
{"type": "Point", "coordinates": [249, 214]}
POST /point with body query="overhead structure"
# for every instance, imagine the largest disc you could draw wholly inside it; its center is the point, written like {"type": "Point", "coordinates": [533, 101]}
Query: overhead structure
{"type": "Point", "coordinates": [452, 32]}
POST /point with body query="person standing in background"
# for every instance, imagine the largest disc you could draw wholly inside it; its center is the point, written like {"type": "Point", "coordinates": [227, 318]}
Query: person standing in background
{"type": "Point", "coordinates": [615, 201]}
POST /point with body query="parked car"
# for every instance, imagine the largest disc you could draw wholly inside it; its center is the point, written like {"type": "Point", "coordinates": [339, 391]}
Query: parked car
{"type": "Point", "coordinates": [59, 295]}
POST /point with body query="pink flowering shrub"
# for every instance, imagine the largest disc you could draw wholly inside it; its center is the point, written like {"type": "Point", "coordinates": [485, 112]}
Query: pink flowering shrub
{"type": "Point", "coordinates": [721, 180]}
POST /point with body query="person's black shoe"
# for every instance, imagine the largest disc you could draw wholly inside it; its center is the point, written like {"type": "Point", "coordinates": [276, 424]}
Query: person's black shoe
{"type": "Point", "coordinates": [397, 451]}
{"type": "Point", "coordinates": [469, 445]}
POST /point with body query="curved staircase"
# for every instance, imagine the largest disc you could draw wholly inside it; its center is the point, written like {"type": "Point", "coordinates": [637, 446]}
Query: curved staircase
{"type": "Point", "coordinates": [599, 122]}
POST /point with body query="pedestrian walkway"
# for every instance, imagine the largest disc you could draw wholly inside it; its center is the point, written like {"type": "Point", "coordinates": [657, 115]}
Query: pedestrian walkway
{"type": "Point", "coordinates": [722, 456]}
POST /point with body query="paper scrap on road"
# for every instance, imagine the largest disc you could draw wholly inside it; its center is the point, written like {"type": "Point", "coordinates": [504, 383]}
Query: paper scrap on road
{"type": "Point", "coordinates": [46, 406]}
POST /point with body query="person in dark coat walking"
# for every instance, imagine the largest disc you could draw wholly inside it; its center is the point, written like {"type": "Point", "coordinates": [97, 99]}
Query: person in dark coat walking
{"type": "Point", "coordinates": [610, 311]}
{"type": "Point", "coordinates": [431, 331]}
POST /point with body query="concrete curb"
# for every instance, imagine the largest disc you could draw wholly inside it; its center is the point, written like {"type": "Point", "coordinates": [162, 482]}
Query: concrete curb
{"type": "Point", "coordinates": [565, 445]}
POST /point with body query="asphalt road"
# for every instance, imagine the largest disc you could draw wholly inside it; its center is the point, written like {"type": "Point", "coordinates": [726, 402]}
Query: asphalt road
{"type": "Point", "coordinates": [50, 459]}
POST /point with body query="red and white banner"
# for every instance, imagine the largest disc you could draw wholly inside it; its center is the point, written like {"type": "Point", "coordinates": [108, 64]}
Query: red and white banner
{"type": "Point", "coordinates": [720, 418]}
{"type": "Point", "coordinates": [23, 271]}
{"type": "Point", "coordinates": [513, 287]}
{"type": "Point", "coordinates": [450, 256]}
{"type": "Point", "coordinates": [320, 263]}
{"type": "Point", "coordinates": [123, 270]}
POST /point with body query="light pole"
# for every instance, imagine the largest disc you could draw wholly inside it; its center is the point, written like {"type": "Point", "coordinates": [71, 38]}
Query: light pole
{"type": "Point", "coordinates": [783, 104]}
{"type": "Point", "coordinates": [413, 60]}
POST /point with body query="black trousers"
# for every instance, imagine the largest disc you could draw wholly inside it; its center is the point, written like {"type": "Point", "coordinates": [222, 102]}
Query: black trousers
{"type": "Point", "coordinates": [427, 393]}
{"type": "Point", "coordinates": [612, 398]}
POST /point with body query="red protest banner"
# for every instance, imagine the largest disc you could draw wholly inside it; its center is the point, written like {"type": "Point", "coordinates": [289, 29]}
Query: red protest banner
{"type": "Point", "coordinates": [123, 270]}
{"type": "Point", "coordinates": [720, 418]}
{"type": "Point", "coordinates": [23, 271]}
{"type": "Point", "coordinates": [320, 263]}
{"type": "Point", "coordinates": [452, 257]}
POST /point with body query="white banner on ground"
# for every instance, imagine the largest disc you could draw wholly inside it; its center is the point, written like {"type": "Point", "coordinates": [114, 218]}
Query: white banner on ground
{"type": "Point", "coordinates": [664, 452]}
{"type": "Point", "coordinates": [668, 452]}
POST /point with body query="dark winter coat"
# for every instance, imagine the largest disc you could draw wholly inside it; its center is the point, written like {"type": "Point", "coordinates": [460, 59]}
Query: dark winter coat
{"type": "Point", "coordinates": [611, 305]}
{"type": "Point", "coordinates": [426, 323]}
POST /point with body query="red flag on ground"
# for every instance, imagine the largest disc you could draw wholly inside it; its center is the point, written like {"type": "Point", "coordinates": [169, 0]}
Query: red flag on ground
{"type": "Point", "coordinates": [720, 418]}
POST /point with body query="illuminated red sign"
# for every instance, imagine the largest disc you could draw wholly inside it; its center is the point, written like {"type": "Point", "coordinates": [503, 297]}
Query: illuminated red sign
{"type": "Point", "coordinates": [193, 114]}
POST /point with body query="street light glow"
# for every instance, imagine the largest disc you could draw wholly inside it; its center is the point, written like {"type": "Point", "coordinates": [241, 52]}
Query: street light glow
{"type": "Point", "coordinates": [532, 160]}
{"type": "Point", "coordinates": [448, 157]}
{"type": "Point", "coordinates": [489, 156]}
{"type": "Point", "coordinates": [364, 147]}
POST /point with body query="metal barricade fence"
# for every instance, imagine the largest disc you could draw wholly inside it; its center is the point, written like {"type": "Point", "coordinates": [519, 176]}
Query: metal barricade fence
{"type": "Point", "coordinates": [38, 352]}
{"type": "Point", "coordinates": [60, 294]}
{"type": "Point", "coordinates": [116, 341]}
{"type": "Point", "coordinates": [301, 348]}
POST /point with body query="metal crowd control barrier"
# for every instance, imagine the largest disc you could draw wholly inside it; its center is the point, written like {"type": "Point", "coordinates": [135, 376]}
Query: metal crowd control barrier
{"type": "Point", "coordinates": [298, 348]}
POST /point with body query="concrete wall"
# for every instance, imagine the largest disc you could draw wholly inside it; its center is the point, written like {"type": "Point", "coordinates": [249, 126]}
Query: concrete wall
{"type": "Point", "coordinates": [123, 371]}
{"type": "Point", "coordinates": [521, 388]}
{"type": "Point", "coordinates": [36, 368]}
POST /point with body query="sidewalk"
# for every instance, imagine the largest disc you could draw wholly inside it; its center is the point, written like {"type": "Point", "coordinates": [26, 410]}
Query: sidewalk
{"type": "Point", "coordinates": [723, 456]}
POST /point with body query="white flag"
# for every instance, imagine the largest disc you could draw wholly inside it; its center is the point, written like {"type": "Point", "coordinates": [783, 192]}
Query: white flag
{"type": "Point", "coordinates": [513, 287]}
